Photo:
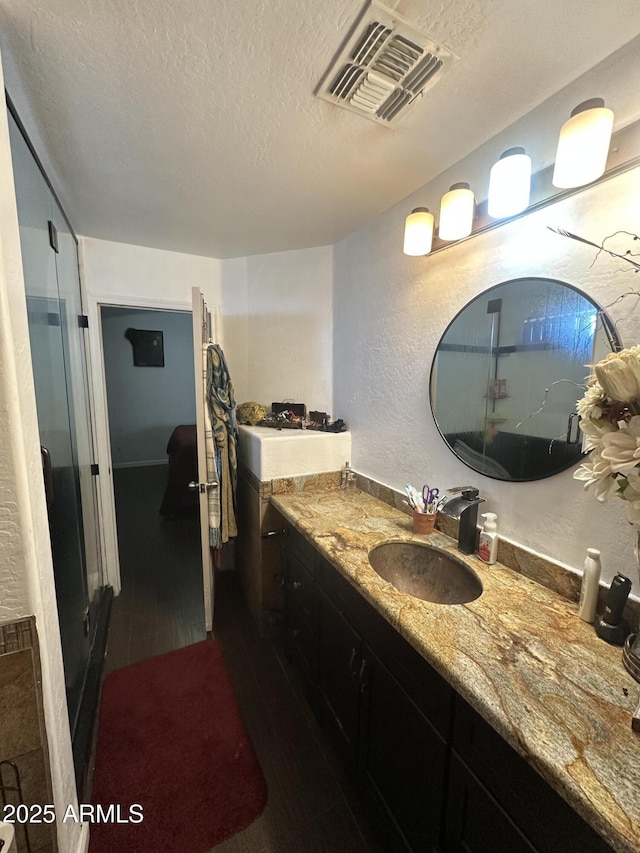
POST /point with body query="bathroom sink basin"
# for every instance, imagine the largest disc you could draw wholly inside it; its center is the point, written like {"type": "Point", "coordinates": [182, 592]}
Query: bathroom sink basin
{"type": "Point", "coordinates": [426, 573]}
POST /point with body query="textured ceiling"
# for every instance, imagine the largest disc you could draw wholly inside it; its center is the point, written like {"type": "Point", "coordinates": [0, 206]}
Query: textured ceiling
{"type": "Point", "coordinates": [191, 125]}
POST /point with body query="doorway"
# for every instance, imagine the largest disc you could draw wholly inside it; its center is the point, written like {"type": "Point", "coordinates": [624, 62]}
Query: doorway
{"type": "Point", "coordinates": [151, 399]}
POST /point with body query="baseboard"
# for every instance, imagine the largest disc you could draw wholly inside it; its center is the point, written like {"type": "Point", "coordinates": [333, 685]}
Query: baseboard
{"type": "Point", "coordinates": [116, 465]}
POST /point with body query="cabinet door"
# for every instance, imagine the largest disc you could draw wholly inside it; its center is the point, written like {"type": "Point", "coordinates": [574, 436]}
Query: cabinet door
{"type": "Point", "coordinates": [475, 822]}
{"type": "Point", "coordinates": [540, 813]}
{"type": "Point", "coordinates": [301, 617]}
{"type": "Point", "coordinates": [300, 586]}
{"type": "Point", "coordinates": [339, 665]}
{"type": "Point", "coordinates": [403, 758]}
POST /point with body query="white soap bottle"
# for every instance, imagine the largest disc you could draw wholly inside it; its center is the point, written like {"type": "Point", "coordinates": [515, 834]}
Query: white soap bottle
{"type": "Point", "coordinates": [488, 542]}
{"type": "Point", "coordinates": [590, 586]}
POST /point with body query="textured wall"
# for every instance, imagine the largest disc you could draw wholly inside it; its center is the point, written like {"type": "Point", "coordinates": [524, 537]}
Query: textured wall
{"type": "Point", "coordinates": [389, 314]}
{"type": "Point", "coordinates": [290, 327]}
{"type": "Point", "coordinates": [235, 323]}
{"type": "Point", "coordinates": [14, 602]}
{"type": "Point", "coordinates": [276, 310]}
{"type": "Point", "coordinates": [118, 270]}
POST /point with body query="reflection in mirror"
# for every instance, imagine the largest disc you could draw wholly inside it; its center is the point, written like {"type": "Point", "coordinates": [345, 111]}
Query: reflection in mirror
{"type": "Point", "coordinates": [493, 364]}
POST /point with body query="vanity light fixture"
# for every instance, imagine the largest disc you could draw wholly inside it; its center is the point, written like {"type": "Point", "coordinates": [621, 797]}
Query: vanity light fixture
{"type": "Point", "coordinates": [509, 184]}
{"type": "Point", "coordinates": [418, 232]}
{"type": "Point", "coordinates": [456, 212]}
{"type": "Point", "coordinates": [588, 152]}
{"type": "Point", "coordinates": [583, 145]}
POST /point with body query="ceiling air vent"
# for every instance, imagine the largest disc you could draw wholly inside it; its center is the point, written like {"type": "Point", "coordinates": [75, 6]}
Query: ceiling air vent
{"type": "Point", "coordinates": [382, 66]}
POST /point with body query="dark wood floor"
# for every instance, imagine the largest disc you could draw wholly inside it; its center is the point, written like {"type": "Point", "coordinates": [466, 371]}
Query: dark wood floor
{"type": "Point", "coordinates": [160, 607]}
{"type": "Point", "coordinates": [312, 806]}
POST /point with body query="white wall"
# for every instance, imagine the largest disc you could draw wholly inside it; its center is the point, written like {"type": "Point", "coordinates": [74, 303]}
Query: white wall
{"type": "Point", "coordinates": [235, 321]}
{"type": "Point", "coordinates": [276, 310]}
{"type": "Point", "coordinates": [14, 507]}
{"type": "Point", "coordinates": [389, 314]}
{"type": "Point", "coordinates": [147, 403]}
{"type": "Point", "coordinates": [290, 303]}
{"type": "Point", "coordinates": [139, 275]}
{"type": "Point", "coordinates": [119, 269]}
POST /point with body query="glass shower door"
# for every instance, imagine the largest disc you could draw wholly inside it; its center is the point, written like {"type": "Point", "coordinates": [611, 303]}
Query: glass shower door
{"type": "Point", "coordinates": [78, 395]}
{"type": "Point", "coordinates": [52, 296]}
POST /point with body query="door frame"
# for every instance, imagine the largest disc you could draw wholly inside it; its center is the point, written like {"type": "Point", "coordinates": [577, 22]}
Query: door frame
{"type": "Point", "coordinates": [106, 492]}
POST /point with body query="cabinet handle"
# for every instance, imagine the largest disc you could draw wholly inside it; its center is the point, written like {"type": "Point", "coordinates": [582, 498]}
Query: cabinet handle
{"type": "Point", "coordinates": [353, 664]}
{"type": "Point", "coordinates": [271, 533]}
{"type": "Point", "coordinates": [296, 584]}
{"type": "Point", "coordinates": [364, 675]}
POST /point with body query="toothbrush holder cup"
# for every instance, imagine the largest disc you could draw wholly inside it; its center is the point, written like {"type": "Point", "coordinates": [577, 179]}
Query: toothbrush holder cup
{"type": "Point", "coordinates": [423, 522]}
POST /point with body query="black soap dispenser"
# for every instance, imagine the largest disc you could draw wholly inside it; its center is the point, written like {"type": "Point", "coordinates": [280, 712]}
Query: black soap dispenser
{"type": "Point", "coordinates": [611, 626]}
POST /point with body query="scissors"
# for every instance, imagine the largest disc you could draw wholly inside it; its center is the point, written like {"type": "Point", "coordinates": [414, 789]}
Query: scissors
{"type": "Point", "coordinates": [430, 497]}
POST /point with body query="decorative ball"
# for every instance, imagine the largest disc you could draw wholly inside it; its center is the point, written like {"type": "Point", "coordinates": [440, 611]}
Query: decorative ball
{"type": "Point", "coordinates": [251, 413]}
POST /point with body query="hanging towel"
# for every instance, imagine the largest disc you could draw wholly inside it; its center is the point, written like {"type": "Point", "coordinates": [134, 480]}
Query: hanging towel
{"type": "Point", "coordinates": [213, 492]}
{"type": "Point", "coordinates": [221, 405]}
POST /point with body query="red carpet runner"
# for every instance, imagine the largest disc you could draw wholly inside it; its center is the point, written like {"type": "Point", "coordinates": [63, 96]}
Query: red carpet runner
{"type": "Point", "coordinates": [171, 739]}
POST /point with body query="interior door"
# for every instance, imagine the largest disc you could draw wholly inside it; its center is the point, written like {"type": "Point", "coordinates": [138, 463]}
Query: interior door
{"type": "Point", "coordinates": [201, 335]}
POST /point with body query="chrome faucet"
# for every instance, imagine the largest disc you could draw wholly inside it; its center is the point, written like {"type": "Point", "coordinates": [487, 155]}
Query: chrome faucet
{"type": "Point", "coordinates": [463, 507]}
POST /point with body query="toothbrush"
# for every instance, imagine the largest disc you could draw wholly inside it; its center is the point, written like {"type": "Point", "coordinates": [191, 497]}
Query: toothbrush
{"type": "Point", "coordinates": [410, 496]}
{"type": "Point", "coordinates": [415, 498]}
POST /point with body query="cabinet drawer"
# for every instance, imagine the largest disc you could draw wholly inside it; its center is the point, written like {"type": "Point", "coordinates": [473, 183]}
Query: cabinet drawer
{"type": "Point", "coordinates": [543, 816]}
{"type": "Point", "coordinates": [299, 546]}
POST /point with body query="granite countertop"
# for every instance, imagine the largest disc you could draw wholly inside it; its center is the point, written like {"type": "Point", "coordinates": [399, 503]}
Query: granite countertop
{"type": "Point", "coordinates": [519, 654]}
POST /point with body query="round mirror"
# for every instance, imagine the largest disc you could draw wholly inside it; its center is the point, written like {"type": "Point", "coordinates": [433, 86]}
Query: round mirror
{"type": "Point", "coordinates": [493, 364]}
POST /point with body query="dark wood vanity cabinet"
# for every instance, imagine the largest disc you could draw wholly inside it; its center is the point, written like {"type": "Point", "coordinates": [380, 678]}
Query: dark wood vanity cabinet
{"type": "Point", "coordinates": [440, 778]}
{"type": "Point", "coordinates": [475, 822]}
{"type": "Point", "coordinates": [375, 694]}
{"type": "Point", "coordinates": [402, 758]}
{"type": "Point", "coordinates": [385, 737]}
{"type": "Point", "coordinates": [489, 777]}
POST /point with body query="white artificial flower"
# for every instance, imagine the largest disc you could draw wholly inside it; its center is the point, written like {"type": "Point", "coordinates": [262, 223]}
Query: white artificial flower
{"type": "Point", "coordinates": [614, 448]}
{"type": "Point", "coordinates": [597, 477]}
{"type": "Point", "coordinates": [631, 494]}
{"type": "Point", "coordinates": [595, 430]}
{"type": "Point", "coordinates": [619, 375]}
{"type": "Point", "coordinates": [621, 448]}
{"type": "Point", "coordinates": [589, 405]}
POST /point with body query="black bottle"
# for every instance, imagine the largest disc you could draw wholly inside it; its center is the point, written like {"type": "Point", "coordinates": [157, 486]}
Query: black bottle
{"type": "Point", "coordinates": [611, 626]}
